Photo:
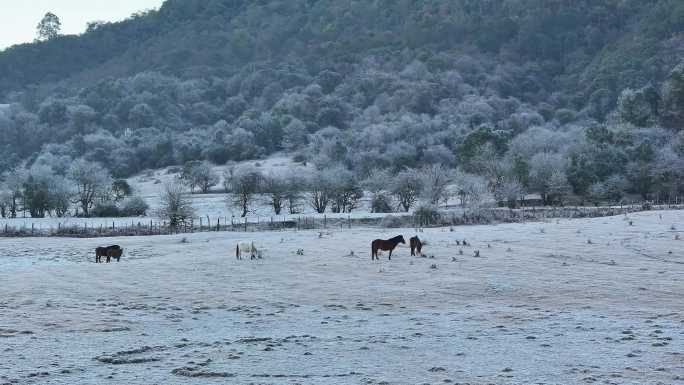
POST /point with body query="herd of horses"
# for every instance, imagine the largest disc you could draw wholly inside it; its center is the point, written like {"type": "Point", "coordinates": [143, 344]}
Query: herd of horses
{"type": "Point", "coordinates": [390, 244]}
{"type": "Point", "coordinates": [246, 248]}
{"type": "Point", "coordinates": [113, 251]}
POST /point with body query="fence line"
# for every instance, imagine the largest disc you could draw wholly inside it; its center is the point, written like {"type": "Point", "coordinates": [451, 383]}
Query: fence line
{"type": "Point", "coordinates": [273, 223]}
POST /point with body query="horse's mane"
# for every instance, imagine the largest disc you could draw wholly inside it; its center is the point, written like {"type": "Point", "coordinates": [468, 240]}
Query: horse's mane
{"type": "Point", "coordinates": [397, 238]}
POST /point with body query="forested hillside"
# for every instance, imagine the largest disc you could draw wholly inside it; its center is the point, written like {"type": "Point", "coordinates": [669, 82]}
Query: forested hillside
{"type": "Point", "coordinates": [562, 98]}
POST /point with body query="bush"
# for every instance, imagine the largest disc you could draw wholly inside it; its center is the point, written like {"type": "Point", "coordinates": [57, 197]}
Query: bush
{"type": "Point", "coordinates": [106, 210]}
{"type": "Point", "coordinates": [427, 215]}
{"type": "Point", "coordinates": [391, 221]}
{"type": "Point", "coordinates": [381, 204]}
{"type": "Point", "coordinates": [134, 207]}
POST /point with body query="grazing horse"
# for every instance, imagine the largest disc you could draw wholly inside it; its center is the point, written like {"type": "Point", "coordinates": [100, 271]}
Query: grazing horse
{"type": "Point", "coordinates": [114, 253]}
{"type": "Point", "coordinates": [115, 250]}
{"type": "Point", "coordinates": [416, 246]}
{"type": "Point", "coordinates": [245, 247]}
{"type": "Point", "coordinates": [385, 245]}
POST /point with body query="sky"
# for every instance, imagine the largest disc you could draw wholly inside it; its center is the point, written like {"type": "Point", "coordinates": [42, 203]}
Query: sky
{"type": "Point", "coordinates": [18, 18]}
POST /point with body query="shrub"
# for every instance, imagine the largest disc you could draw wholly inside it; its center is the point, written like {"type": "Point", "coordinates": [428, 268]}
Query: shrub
{"type": "Point", "coordinates": [391, 221]}
{"type": "Point", "coordinates": [381, 204]}
{"type": "Point", "coordinates": [106, 210]}
{"type": "Point", "coordinates": [427, 215]}
{"type": "Point", "coordinates": [134, 207]}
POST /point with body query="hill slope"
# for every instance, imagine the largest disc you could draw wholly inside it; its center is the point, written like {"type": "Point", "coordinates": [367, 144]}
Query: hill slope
{"type": "Point", "coordinates": [383, 83]}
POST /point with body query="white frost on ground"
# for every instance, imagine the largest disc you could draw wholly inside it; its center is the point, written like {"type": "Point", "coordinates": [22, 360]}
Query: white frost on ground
{"type": "Point", "coordinates": [541, 305]}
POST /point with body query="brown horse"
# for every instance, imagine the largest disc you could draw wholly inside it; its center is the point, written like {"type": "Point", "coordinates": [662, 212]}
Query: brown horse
{"type": "Point", "coordinates": [114, 251]}
{"type": "Point", "coordinates": [416, 246]}
{"type": "Point", "coordinates": [385, 245]}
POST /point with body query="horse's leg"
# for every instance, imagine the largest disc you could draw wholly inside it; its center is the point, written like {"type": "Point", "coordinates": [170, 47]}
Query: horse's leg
{"type": "Point", "coordinates": [390, 254]}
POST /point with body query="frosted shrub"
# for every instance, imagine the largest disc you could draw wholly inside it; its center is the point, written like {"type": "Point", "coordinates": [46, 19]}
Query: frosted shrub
{"type": "Point", "coordinates": [134, 207]}
{"type": "Point", "coordinates": [381, 203]}
{"type": "Point", "coordinates": [427, 215]}
{"type": "Point", "coordinates": [391, 221]}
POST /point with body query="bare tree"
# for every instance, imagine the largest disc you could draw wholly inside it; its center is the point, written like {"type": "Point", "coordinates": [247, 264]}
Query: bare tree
{"type": "Point", "coordinates": [12, 187]}
{"type": "Point", "coordinates": [175, 207]}
{"type": "Point", "coordinates": [243, 183]}
{"type": "Point", "coordinates": [406, 186]}
{"type": "Point", "coordinates": [198, 174]}
{"type": "Point", "coordinates": [345, 191]}
{"type": "Point", "coordinates": [90, 179]}
{"type": "Point", "coordinates": [435, 179]}
{"type": "Point", "coordinates": [471, 189]}
{"type": "Point", "coordinates": [275, 187]}
{"type": "Point", "coordinates": [320, 191]}
{"type": "Point", "coordinates": [294, 186]}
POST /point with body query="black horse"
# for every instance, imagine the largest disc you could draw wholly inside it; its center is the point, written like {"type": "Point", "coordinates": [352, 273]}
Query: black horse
{"type": "Point", "coordinates": [385, 245]}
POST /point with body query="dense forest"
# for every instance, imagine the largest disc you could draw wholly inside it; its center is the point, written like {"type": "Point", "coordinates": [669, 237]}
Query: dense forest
{"type": "Point", "coordinates": [568, 99]}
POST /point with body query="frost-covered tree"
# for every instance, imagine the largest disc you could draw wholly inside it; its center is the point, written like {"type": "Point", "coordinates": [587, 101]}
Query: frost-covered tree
{"type": "Point", "coordinates": [275, 187]}
{"type": "Point", "coordinates": [320, 189]}
{"type": "Point", "coordinates": [43, 192]}
{"type": "Point", "coordinates": [638, 107]}
{"type": "Point", "coordinates": [295, 185]}
{"type": "Point", "coordinates": [199, 174]}
{"type": "Point", "coordinates": [508, 189]}
{"type": "Point", "coordinates": [49, 27]}
{"type": "Point", "coordinates": [294, 135]}
{"type": "Point", "coordinates": [406, 186]}
{"type": "Point", "coordinates": [672, 111]}
{"type": "Point", "coordinates": [12, 187]}
{"type": "Point", "coordinates": [243, 182]}
{"type": "Point", "coordinates": [345, 191]}
{"type": "Point", "coordinates": [175, 207]}
{"type": "Point", "coordinates": [543, 167]}
{"type": "Point", "coordinates": [668, 173]}
{"type": "Point", "coordinates": [471, 189]}
{"type": "Point", "coordinates": [90, 180]}
{"type": "Point", "coordinates": [434, 180]}
{"type": "Point", "coordinates": [558, 187]}
{"type": "Point", "coordinates": [378, 183]}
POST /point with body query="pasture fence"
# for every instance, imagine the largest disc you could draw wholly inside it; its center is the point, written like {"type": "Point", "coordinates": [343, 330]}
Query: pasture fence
{"type": "Point", "coordinates": [449, 217]}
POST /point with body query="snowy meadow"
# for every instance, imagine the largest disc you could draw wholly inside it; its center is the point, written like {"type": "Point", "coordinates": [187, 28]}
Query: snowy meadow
{"type": "Point", "coordinates": [563, 301]}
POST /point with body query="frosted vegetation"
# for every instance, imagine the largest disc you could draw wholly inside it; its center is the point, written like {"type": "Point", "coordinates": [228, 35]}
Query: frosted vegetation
{"type": "Point", "coordinates": [487, 94]}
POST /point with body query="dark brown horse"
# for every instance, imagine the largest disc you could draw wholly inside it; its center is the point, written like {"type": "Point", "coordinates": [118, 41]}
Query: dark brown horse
{"type": "Point", "coordinates": [416, 246]}
{"type": "Point", "coordinates": [113, 251]}
{"type": "Point", "coordinates": [385, 245]}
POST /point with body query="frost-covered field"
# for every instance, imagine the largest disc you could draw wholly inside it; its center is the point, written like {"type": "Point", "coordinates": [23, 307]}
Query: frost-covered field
{"type": "Point", "coordinates": [542, 304]}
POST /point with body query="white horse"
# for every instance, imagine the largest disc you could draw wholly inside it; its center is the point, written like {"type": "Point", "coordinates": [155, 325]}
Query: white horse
{"type": "Point", "coordinates": [246, 247]}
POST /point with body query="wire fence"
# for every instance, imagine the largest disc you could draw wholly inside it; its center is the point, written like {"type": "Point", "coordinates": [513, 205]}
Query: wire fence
{"type": "Point", "coordinates": [451, 217]}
